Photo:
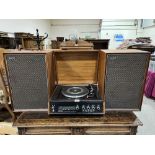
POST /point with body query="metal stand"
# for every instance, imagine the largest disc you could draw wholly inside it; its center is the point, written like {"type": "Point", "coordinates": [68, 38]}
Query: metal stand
{"type": "Point", "coordinates": [38, 39]}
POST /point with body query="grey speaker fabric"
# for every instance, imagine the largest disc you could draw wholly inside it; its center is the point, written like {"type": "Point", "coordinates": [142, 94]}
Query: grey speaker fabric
{"type": "Point", "coordinates": [125, 75]}
{"type": "Point", "coordinates": [28, 81]}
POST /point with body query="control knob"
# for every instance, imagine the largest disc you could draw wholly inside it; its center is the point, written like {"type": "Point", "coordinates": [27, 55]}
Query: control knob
{"type": "Point", "coordinates": [83, 108]}
{"type": "Point", "coordinates": [98, 107]}
{"type": "Point", "coordinates": [88, 108]}
{"type": "Point", "coordinates": [52, 108]}
{"type": "Point", "coordinates": [77, 107]}
{"type": "Point", "coordinates": [93, 107]}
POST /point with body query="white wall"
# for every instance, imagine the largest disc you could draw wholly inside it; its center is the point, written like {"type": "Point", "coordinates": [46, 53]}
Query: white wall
{"type": "Point", "coordinates": [149, 32]}
{"type": "Point", "coordinates": [121, 26]}
{"type": "Point", "coordinates": [55, 28]}
{"type": "Point", "coordinates": [27, 25]}
{"type": "Point", "coordinates": [80, 27]}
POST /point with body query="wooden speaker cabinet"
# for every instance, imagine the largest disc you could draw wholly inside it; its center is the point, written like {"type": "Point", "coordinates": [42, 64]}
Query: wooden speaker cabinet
{"type": "Point", "coordinates": [30, 79]}
{"type": "Point", "coordinates": [124, 74]}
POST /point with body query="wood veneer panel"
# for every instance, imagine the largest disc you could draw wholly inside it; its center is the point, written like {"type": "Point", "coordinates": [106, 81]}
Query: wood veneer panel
{"type": "Point", "coordinates": [76, 67]}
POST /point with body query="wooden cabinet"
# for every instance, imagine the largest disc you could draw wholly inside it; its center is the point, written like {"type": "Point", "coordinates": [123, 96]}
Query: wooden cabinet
{"type": "Point", "coordinates": [27, 41]}
{"type": "Point", "coordinates": [55, 44]}
{"type": "Point", "coordinates": [7, 42]}
{"type": "Point", "coordinates": [112, 123]}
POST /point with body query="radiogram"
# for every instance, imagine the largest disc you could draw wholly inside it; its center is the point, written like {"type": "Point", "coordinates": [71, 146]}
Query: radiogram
{"type": "Point", "coordinates": [118, 77]}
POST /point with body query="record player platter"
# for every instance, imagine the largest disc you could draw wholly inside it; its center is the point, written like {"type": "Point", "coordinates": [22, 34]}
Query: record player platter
{"type": "Point", "coordinates": [76, 100]}
{"type": "Point", "coordinates": [75, 92]}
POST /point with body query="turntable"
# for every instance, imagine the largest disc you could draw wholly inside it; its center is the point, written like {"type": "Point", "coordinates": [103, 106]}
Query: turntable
{"type": "Point", "coordinates": [76, 88]}
{"type": "Point", "coordinates": [76, 100]}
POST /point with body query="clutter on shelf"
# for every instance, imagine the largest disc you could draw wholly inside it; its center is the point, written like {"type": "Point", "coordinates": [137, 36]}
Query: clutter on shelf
{"type": "Point", "coordinates": [141, 43]}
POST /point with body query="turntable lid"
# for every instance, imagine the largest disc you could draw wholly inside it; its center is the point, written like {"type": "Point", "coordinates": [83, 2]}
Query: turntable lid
{"type": "Point", "coordinates": [76, 67]}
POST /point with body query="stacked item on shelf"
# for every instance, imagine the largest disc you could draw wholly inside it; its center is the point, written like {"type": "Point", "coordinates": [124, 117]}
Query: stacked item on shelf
{"type": "Point", "coordinates": [141, 43]}
{"type": "Point", "coordinates": [7, 40]}
{"type": "Point", "coordinates": [150, 80]}
{"type": "Point", "coordinates": [76, 44]}
{"type": "Point", "coordinates": [55, 44]}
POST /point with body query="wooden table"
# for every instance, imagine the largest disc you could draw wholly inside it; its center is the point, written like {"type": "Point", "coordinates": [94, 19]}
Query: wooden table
{"type": "Point", "coordinates": [40, 123]}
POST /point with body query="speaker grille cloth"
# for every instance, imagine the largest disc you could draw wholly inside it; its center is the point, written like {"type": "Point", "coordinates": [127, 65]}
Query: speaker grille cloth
{"type": "Point", "coordinates": [125, 75]}
{"type": "Point", "coordinates": [28, 80]}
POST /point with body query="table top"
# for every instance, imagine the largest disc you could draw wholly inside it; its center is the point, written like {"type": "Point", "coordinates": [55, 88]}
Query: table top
{"type": "Point", "coordinates": [42, 119]}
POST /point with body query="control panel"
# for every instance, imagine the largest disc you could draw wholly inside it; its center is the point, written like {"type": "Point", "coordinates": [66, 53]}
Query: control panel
{"type": "Point", "coordinates": [77, 108]}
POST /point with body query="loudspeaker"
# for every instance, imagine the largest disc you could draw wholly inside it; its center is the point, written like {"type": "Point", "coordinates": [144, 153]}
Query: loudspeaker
{"type": "Point", "coordinates": [30, 79]}
{"type": "Point", "coordinates": [124, 79]}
